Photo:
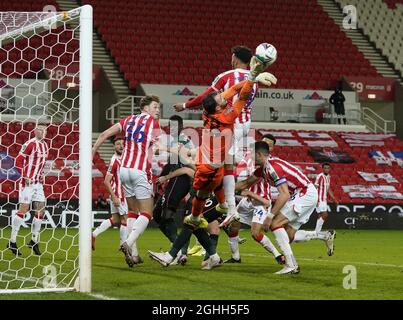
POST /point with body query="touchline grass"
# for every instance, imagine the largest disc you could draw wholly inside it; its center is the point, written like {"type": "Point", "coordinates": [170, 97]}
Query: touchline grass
{"type": "Point", "coordinates": [377, 257]}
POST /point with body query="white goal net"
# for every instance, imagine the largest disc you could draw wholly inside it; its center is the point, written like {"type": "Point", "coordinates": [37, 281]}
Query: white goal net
{"type": "Point", "coordinates": [45, 150]}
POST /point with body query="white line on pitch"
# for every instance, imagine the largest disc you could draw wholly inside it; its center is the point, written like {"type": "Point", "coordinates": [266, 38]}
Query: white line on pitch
{"type": "Point", "coordinates": [372, 264]}
{"type": "Point", "coordinates": [95, 295]}
{"type": "Point", "coordinates": [101, 296]}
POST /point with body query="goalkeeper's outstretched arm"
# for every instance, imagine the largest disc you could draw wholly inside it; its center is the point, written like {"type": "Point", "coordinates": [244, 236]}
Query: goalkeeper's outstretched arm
{"type": "Point", "coordinates": [112, 131]}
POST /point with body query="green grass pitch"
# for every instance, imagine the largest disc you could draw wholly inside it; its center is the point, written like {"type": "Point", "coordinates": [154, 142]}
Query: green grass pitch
{"type": "Point", "coordinates": [376, 255]}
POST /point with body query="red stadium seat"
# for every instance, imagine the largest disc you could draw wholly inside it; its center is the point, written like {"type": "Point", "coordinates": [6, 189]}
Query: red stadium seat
{"type": "Point", "coordinates": [201, 45]}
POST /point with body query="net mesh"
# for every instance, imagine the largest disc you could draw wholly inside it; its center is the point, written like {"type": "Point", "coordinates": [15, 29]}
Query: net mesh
{"type": "Point", "coordinates": [39, 82]}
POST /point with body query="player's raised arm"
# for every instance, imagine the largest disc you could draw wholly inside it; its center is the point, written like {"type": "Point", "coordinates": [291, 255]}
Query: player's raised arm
{"type": "Point", "coordinates": [112, 131]}
{"type": "Point", "coordinates": [194, 103]}
{"type": "Point", "coordinates": [240, 59]}
{"type": "Point", "coordinates": [244, 88]}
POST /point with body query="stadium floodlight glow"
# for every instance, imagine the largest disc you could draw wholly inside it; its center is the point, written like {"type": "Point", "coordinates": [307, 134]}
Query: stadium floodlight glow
{"type": "Point", "coordinates": [46, 78]}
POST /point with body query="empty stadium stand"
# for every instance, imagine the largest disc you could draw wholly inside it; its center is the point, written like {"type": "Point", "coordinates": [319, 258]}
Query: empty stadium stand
{"type": "Point", "coordinates": [381, 21]}
{"type": "Point", "coordinates": [173, 42]}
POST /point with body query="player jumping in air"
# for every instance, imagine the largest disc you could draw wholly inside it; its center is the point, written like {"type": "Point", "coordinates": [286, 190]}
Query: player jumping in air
{"type": "Point", "coordinates": [241, 57]}
{"type": "Point", "coordinates": [30, 162]}
{"type": "Point", "coordinates": [117, 199]}
{"type": "Point", "coordinates": [141, 132]}
{"type": "Point", "coordinates": [218, 117]}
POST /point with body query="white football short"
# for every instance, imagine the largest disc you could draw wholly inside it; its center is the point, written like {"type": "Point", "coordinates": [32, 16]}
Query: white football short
{"type": "Point", "coordinates": [321, 207]}
{"type": "Point", "coordinates": [241, 130]}
{"type": "Point", "coordinates": [250, 213]}
{"type": "Point", "coordinates": [122, 209]}
{"type": "Point", "coordinates": [31, 193]}
{"type": "Point", "coordinates": [300, 206]}
{"type": "Point", "coordinates": [136, 184]}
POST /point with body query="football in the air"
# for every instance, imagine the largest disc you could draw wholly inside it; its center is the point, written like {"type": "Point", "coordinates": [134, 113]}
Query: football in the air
{"type": "Point", "coordinates": [266, 53]}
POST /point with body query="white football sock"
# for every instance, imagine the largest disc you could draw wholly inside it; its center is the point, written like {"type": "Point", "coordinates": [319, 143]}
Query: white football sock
{"type": "Point", "coordinates": [130, 223]}
{"type": "Point", "coordinates": [283, 242]}
{"type": "Point", "coordinates": [319, 224]}
{"type": "Point", "coordinates": [105, 225]}
{"type": "Point", "coordinates": [15, 227]}
{"type": "Point", "coordinates": [229, 190]}
{"type": "Point", "coordinates": [302, 236]}
{"type": "Point", "coordinates": [269, 246]}
{"type": "Point", "coordinates": [123, 233]}
{"type": "Point", "coordinates": [138, 228]}
{"type": "Point", "coordinates": [234, 247]}
{"type": "Point", "coordinates": [35, 228]}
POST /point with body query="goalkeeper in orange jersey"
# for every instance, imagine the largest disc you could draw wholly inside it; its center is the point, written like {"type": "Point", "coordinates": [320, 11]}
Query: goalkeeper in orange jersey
{"type": "Point", "coordinates": [219, 118]}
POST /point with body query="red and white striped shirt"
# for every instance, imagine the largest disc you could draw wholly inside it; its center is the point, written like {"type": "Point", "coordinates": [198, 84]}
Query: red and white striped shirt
{"type": "Point", "coordinates": [113, 170]}
{"type": "Point", "coordinates": [31, 160]}
{"type": "Point", "coordinates": [244, 169]}
{"type": "Point", "coordinates": [280, 171]}
{"type": "Point", "coordinates": [261, 188]}
{"type": "Point", "coordinates": [322, 182]}
{"type": "Point", "coordinates": [141, 131]}
{"type": "Point", "coordinates": [229, 78]}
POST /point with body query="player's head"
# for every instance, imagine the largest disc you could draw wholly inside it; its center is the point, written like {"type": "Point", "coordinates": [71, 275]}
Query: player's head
{"type": "Point", "coordinates": [118, 143]}
{"type": "Point", "coordinates": [270, 140]}
{"type": "Point", "coordinates": [213, 103]}
{"type": "Point", "coordinates": [151, 105]}
{"type": "Point", "coordinates": [262, 151]}
{"type": "Point", "coordinates": [326, 167]}
{"type": "Point", "coordinates": [40, 131]}
{"type": "Point", "coordinates": [241, 56]}
{"type": "Point", "coordinates": [175, 124]}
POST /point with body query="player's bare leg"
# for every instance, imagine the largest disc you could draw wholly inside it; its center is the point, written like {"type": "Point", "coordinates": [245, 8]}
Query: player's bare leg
{"type": "Point", "coordinates": [15, 227]}
{"type": "Point", "coordinates": [283, 240]}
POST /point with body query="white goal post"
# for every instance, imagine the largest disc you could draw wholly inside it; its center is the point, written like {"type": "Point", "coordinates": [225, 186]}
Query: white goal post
{"type": "Point", "coordinates": [45, 58]}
